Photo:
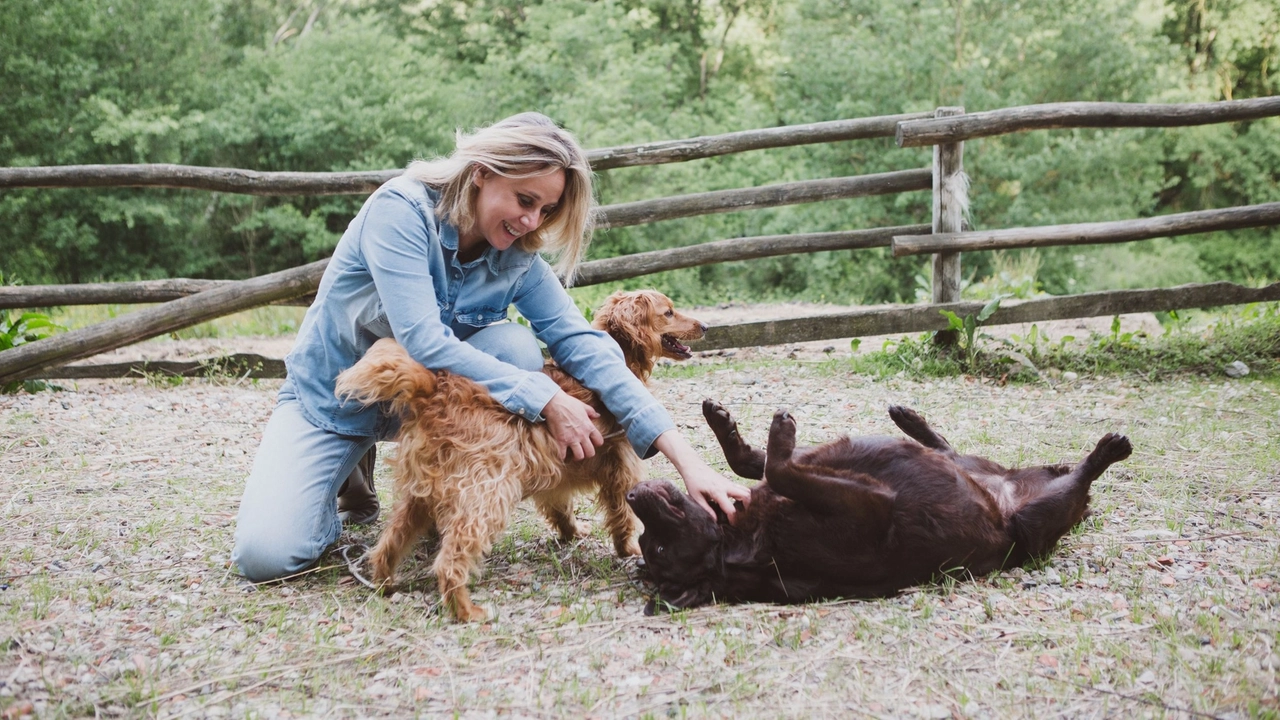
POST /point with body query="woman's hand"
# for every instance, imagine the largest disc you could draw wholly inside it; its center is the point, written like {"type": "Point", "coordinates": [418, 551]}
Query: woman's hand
{"type": "Point", "coordinates": [704, 484]}
{"type": "Point", "coordinates": [570, 422]}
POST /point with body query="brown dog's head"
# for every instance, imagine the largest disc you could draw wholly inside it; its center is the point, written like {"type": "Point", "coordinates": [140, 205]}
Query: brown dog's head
{"type": "Point", "coordinates": [646, 326]}
{"type": "Point", "coordinates": [681, 544]}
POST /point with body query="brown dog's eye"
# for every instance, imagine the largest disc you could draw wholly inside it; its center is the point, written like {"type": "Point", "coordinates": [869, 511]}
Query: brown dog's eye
{"type": "Point", "coordinates": [670, 313]}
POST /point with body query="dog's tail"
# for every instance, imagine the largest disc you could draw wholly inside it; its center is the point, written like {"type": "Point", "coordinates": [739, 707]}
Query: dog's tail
{"type": "Point", "coordinates": [386, 373]}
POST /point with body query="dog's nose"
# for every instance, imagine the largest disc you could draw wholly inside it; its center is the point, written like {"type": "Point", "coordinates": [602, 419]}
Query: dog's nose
{"type": "Point", "coordinates": [631, 495]}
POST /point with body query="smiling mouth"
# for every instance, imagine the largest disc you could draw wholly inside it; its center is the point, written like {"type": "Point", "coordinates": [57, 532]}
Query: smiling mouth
{"type": "Point", "coordinates": [510, 230]}
{"type": "Point", "coordinates": [674, 348]}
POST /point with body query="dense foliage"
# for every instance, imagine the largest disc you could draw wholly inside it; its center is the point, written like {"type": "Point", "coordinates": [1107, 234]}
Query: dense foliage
{"type": "Point", "coordinates": [373, 84]}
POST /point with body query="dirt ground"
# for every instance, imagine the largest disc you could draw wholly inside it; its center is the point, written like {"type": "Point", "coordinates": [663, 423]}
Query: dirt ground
{"type": "Point", "coordinates": [117, 598]}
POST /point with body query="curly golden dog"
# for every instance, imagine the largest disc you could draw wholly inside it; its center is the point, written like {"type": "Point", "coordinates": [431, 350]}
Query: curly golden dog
{"type": "Point", "coordinates": [464, 461]}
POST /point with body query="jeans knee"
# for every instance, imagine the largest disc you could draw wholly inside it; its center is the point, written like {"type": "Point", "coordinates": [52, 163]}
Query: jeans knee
{"type": "Point", "coordinates": [262, 558]}
{"type": "Point", "coordinates": [511, 343]}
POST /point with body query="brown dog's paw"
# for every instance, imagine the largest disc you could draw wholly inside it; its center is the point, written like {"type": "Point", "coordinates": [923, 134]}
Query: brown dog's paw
{"type": "Point", "coordinates": [718, 418]}
{"type": "Point", "coordinates": [1112, 448]}
{"type": "Point", "coordinates": [782, 436]}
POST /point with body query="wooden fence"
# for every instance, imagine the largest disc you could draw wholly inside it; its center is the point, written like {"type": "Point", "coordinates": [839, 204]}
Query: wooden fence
{"type": "Point", "coordinates": [186, 302]}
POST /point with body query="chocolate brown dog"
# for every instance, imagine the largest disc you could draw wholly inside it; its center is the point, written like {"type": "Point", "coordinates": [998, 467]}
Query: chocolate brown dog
{"type": "Point", "coordinates": [858, 517]}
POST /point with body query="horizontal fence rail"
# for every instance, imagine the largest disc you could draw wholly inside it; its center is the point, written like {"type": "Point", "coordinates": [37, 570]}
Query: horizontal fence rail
{"type": "Point", "coordinates": [670, 151]}
{"type": "Point", "coordinates": [1116, 231]}
{"type": "Point", "coordinates": [748, 248]}
{"type": "Point", "coordinates": [589, 273]}
{"type": "Point", "coordinates": [108, 293]}
{"type": "Point", "coordinates": [253, 182]}
{"type": "Point", "coordinates": [860, 323]}
{"type": "Point", "coordinates": [765, 196]}
{"type": "Point", "coordinates": [18, 363]}
{"type": "Point", "coordinates": [936, 131]}
{"type": "Point", "coordinates": [923, 318]}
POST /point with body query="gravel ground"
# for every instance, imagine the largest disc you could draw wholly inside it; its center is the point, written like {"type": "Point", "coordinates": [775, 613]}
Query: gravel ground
{"type": "Point", "coordinates": [118, 501]}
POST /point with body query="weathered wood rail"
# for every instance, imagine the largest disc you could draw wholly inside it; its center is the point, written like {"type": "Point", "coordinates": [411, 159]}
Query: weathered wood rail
{"type": "Point", "coordinates": [1118, 231]}
{"type": "Point", "coordinates": [253, 182]}
{"type": "Point", "coordinates": [941, 130]}
{"type": "Point", "coordinates": [188, 302]}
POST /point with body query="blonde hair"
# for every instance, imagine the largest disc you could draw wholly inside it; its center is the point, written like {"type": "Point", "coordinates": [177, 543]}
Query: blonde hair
{"type": "Point", "coordinates": [524, 145]}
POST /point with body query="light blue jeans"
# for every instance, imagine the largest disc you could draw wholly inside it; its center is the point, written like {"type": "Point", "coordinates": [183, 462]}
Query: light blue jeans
{"type": "Point", "coordinates": [289, 510]}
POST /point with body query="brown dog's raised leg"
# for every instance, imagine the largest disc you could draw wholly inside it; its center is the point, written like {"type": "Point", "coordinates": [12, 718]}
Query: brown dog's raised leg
{"type": "Point", "coordinates": [914, 425]}
{"type": "Point", "coordinates": [744, 460]}
{"type": "Point", "coordinates": [865, 500]}
{"type": "Point", "coordinates": [1061, 503]}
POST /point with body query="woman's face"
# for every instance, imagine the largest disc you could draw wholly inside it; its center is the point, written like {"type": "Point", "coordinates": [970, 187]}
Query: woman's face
{"type": "Point", "coordinates": [508, 208]}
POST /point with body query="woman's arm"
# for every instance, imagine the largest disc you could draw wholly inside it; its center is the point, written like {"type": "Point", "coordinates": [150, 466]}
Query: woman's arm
{"type": "Point", "coordinates": [704, 484]}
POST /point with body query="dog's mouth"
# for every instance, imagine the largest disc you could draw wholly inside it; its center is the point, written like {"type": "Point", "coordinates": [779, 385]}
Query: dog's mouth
{"type": "Point", "coordinates": [673, 348]}
{"type": "Point", "coordinates": [653, 499]}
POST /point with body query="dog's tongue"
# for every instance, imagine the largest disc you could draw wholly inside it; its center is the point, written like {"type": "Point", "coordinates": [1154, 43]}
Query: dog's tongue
{"type": "Point", "coordinates": [675, 345]}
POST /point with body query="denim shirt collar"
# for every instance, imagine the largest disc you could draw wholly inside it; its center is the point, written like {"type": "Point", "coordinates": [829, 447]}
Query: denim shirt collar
{"type": "Point", "coordinates": [491, 257]}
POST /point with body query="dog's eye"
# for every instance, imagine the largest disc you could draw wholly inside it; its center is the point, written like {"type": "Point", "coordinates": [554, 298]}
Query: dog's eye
{"type": "Point", "coordinates": [670, 313]}
{"type": "Point", "coordinates": [659, 549]}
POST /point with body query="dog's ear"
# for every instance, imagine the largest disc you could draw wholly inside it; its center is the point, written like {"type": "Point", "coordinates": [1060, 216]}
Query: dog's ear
{"type": "Point", "coordinates": [628, 318]}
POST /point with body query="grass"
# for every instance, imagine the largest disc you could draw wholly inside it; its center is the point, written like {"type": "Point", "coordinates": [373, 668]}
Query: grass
{"type": "Point", "coordinates": [1248, 334]}
{"type": "Point", "coordinates": [267, 321]}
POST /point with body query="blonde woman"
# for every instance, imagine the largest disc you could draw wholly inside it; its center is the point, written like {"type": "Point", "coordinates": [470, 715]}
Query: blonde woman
{"type": "Point", "coordinates": [434, 259]}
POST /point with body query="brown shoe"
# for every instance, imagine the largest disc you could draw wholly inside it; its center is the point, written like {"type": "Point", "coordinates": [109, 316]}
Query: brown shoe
{"type": "Point", "coordinates": [357, 500]}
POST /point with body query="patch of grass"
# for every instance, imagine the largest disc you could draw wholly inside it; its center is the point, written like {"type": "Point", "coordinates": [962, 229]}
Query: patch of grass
{"type": "Point", "coordinates": [1249, 335]}
{"type": "Point", "coordinates": [267, 321]}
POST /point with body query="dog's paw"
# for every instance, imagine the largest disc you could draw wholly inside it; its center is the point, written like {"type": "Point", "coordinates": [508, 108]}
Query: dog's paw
{"type": "Point", "coordinates": [630, 548]}
{"type": "Point", "coordinates": [906, 416]}
{"type": "Point", "coordinates": [718, 418]}
{"type": "Point", "coordinates": [574, 530]}
{"type": "Point", "coordinates": [783, 423]}
{"type": "Point", "coordinates": [782, 436]}
{"type": "Point", "coordinates": [1112, 448]}
{"type": "Point", "coordinates": [464, 610]}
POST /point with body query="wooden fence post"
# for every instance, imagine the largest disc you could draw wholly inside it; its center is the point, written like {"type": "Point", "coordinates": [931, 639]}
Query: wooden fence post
{"type": "Point", "coordinates": [950, 202]}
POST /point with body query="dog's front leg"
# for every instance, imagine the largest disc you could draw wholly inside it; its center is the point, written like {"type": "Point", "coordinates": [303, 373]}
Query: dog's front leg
{"type": "Point", "coordinates": [824, 491]}
{"type": "Point", "coordinates": [744, 460]}
{"type": "Point", "coordinates": [622, 474]}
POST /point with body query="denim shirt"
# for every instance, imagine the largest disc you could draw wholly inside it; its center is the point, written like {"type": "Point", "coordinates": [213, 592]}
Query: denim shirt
{"type": "Point", "coordinates": [395, 273]}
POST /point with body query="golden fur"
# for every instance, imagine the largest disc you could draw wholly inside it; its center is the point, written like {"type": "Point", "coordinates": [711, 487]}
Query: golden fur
{"type": "Point", "coordinates": [464, 461]}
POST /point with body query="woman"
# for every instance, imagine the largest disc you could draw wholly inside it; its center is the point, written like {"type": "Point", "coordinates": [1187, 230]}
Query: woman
{"type": "Point", "coordinates": [434, 259]}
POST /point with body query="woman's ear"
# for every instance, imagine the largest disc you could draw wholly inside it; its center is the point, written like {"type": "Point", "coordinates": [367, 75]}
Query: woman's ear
{"type": "Point", "coordinates": [479, 175]}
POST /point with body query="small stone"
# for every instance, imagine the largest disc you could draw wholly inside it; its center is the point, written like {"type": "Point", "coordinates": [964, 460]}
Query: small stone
{"type": "Point", "coordinates": [1236, 369]}
{"type": "Point", "coordinates": [1070, 376]}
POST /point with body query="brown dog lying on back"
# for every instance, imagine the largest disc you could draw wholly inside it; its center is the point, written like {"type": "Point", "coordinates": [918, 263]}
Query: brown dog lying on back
{"type": "Point", "coordinates": [464, 461]}
{"type": "Point", "coordinates": [858, 517]}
